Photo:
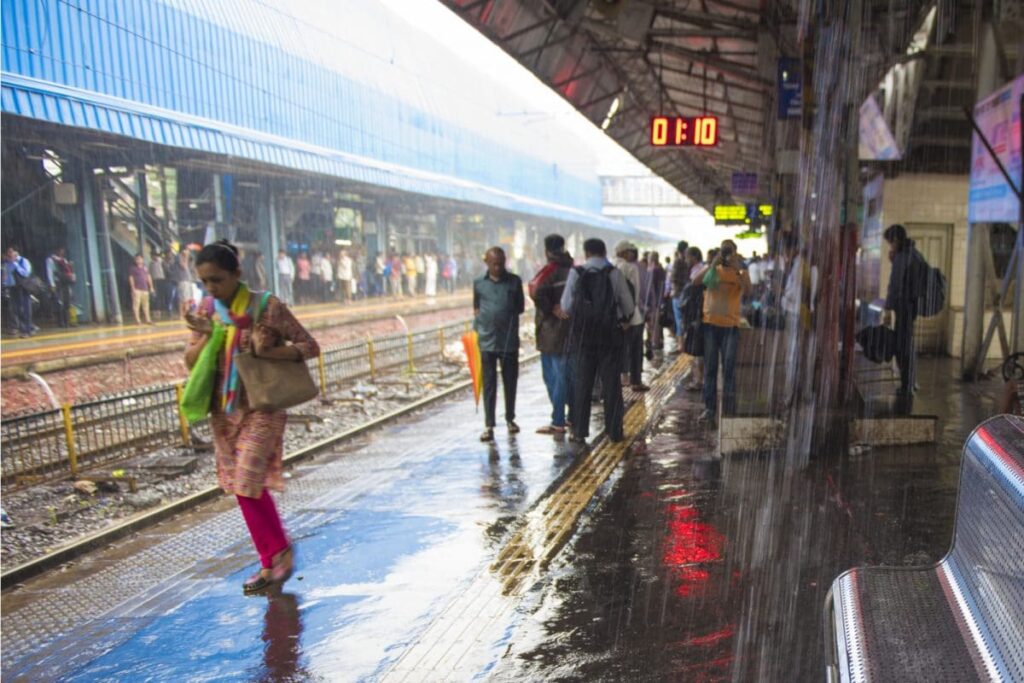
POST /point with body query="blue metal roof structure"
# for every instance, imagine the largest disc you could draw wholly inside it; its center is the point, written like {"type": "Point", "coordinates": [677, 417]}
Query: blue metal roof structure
{"type": "Point", "coordinates": [280, 83]}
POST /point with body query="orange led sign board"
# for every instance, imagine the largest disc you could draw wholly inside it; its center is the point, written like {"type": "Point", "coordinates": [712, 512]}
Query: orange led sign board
{"type": "Point", "coordinates": [684, 131]}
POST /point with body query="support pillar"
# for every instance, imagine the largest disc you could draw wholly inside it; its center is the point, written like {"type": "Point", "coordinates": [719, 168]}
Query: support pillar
{"type": "Point", "coordinates": [268, 235]}
{"type": "Point", "coordinates": [93, 276]}
{"type": "Point", "coordinates": [979, 250]}
{"type": "Point", "coordinates": [109, 270]}
{"type": "Point", "coordinates": [141, 202]}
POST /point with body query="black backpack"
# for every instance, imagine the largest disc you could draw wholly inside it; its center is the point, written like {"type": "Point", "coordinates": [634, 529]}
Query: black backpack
{"type": "Point", "coordinates": [931, 294]}
{"type": "Point", "coordinates": [594, 319]}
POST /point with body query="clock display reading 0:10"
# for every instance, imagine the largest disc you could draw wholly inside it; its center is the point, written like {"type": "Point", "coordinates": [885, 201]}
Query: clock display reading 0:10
{"type": "Point", "coordinates": [684, 131]}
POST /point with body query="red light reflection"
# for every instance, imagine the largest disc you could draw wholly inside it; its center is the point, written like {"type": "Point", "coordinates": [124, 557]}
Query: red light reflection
{"type": "Point", "coordinates": [690, 543]}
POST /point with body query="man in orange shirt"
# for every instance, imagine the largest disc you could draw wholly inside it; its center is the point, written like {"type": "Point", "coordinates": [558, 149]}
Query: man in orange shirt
{"type": "Point", "coordinates": [725, 281]}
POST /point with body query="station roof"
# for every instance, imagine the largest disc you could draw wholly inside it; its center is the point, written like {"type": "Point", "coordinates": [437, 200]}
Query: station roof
{"type": "Point", "coordinates": [288, 84]}
{"type": "Point", "coordinates": [680, 57]}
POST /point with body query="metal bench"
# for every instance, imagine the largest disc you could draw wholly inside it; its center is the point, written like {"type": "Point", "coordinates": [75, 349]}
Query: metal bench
{"type": "Point", "coordinates": [961, 619]}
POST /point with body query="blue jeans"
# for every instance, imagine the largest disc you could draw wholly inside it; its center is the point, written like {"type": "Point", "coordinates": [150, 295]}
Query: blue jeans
{"type": "Point", "coordinates": [557, 372]}
{"type": "Point", "coordinates": [677, 311]}
{"type": "Point", "coordinates": [720, 341]}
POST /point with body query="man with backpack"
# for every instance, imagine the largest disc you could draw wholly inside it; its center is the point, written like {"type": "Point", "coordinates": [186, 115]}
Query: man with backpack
{"type": "Point", "coordinates": [497, 304]}
{"type": "Point", "coordinates": [599, 304]}
{"type": "Point", "coordinates": [914, 289]}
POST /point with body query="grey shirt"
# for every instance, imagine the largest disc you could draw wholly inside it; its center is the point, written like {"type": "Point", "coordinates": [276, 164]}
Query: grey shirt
{"type": "Point", "coordinates": [623, 299]}
{"type": "Point", "coordinates": [498, 304]}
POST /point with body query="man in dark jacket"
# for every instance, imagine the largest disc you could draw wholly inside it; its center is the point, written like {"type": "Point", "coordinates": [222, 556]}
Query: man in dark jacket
{"type": "Point", "coordinates": [553, 330]}
{"type": "Point", "coordinates": [497, 304]}
{"type": "Point", "coordinates": [598, 301]}
{"type": "Point", "coordinates": [908, 271]}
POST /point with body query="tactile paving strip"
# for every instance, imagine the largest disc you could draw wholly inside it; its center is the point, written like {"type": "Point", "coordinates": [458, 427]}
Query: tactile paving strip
{"type": "Point", "coordinates": [482, 610]}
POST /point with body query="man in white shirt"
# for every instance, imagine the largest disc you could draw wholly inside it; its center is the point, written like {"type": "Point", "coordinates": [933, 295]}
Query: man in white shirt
{"type": "Point", "coordinates": [285, 276]}
{"type": "Point", "coordinates": [345, 275]}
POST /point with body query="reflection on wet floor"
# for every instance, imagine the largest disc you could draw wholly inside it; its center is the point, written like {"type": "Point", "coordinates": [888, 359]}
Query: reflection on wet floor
{"type": "Point", "coordinates": [699, 570]}
{"type": "Point", "coordinates": [682, 566]}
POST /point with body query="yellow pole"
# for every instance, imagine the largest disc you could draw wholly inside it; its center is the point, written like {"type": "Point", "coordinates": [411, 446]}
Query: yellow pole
{"type": "Point", "coordinates": [323, 375]}
{"type": "Point", "coordinates": [69, 438]}
{"type": "Point", "coordinates": [186, 439]}
{"type": "Point", "coordinates": [412, 365]}
{"type": "Point", "coordinates": [371, 356]}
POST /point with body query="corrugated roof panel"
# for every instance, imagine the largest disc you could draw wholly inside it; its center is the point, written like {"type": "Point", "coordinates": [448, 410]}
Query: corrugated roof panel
{"type": "Point", "coordinates": [163, 66]}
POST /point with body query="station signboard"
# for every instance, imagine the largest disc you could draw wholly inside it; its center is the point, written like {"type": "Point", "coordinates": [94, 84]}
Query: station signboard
{"type": "Point", "coordinates": [743, 214]}
{"type": "Point", "coordinates": [684, 131]}
{"type": "Point", "coordinates": [990, 199]}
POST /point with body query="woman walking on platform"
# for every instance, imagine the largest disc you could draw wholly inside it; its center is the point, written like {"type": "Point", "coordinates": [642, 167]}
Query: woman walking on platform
{"type": "Point", "coordinates": [248, 443]}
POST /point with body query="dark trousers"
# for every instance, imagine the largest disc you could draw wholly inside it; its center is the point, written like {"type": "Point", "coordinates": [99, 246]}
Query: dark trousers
{"type": "Point", "coordinates": [906, 358]}
{"type": "Point", "coordinates": [591, 363]}
{"type": "Point", "coordinates": [634, 354]}
{"type": "Point", "coordinates": [21, 307]}
{"type": "Point", "coordinates": [509, 380]}
{"type": "Point", "coordinates": [61, 301]}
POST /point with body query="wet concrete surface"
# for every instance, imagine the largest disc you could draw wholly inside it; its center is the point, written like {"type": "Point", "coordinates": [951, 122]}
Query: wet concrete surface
{"type": "Point", "coordinates": [694, 570]}
{"type": "Point", "coordinates": [683, 568]}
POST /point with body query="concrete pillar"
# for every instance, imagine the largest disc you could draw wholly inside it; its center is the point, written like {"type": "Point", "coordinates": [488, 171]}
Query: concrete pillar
{"type": "Point", "coordinates": [218, 199]}
{"type": "Point", "coordinates": [109, 271]}
{"type": "Point", "coordinates": [91, 269]}
{"type": "Point", "coordinates": [141, 195]}
{"type": "Point", "coordinates": [268, 234]}
{"type": "Point", "coordinates": [978, 247]}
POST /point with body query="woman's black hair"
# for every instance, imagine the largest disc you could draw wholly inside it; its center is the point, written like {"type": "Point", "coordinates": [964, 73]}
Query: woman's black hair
{"type": "Point", "coordinates": [221, 253]}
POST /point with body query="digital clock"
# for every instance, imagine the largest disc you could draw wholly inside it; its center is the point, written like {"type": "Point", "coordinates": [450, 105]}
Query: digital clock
{"type": "Point", "coordinates": [684, 131]}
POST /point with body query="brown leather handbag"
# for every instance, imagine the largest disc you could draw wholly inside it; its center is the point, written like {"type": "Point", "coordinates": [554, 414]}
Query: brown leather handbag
{"type": "Point", "coordinates": [275, 384]}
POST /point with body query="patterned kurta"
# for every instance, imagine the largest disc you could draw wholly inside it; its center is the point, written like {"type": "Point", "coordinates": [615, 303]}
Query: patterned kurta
{"type": "Point", "coordinates": [250, 443]}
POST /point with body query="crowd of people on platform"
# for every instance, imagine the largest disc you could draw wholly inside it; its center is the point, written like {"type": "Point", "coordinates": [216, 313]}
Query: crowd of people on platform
{"type": "Point", "coordinates": [597, 322]}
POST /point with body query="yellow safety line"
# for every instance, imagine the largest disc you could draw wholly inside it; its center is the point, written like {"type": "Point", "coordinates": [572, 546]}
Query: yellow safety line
{"type": "Point", "coordinates": [178, 332]}
{"type": "Point", "coordinates": [549, 526]}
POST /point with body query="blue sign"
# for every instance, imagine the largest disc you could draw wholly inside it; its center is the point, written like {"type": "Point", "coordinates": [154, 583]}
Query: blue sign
{"type": "Point", "coordinates": [744, 184]}
{"type": "Point", "coordinates": [791, 94]}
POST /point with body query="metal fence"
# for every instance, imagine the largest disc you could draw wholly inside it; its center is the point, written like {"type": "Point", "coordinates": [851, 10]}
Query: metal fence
{"type": "Point", "coordinates": [56, 443]}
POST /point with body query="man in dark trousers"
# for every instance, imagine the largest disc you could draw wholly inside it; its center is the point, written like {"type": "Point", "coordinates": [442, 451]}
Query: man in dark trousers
{"type": "Point", "coordinates": [909, 270]}
{"type": "Point", "coordinates": [599, 305]}
{"type": "Point", "coordinates": [497, 304]}
{"type": "Point", "coordinates": [546, 290]}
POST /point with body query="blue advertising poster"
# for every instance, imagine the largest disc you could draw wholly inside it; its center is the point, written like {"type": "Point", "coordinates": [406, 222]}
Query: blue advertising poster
{"type": "Point", "coordinates": [790, 88]}
{"type": "Point", "coordinates": [991, 200]}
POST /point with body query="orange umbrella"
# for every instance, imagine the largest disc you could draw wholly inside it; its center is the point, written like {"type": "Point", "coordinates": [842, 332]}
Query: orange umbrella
{"type": "Point", "coordinates": [471, 343]}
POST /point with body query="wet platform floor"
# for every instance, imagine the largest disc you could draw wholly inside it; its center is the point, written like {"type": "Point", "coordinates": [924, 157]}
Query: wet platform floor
{"type": "Point", "coordinates": [676, 567]}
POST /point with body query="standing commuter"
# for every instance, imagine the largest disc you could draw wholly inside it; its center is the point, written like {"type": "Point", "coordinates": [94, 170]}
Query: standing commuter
{"type": "Point", "coordinates": [141, 285]}
{"type": "Point", "coordinates": [655, 293]}
{"type": "Point", "coordinates": [725, 281]}
{"type": "Point", "coordinates": [692, 307]}
{"type": "Point", "coordinates": [409, 269]}
{"type": "Point", "coordinates": [380, 270]}
{"type": "Point", "coordinates": [552, 331]}
{"type": "Point", "coordinates": [285, 277]}
{"type": "Point", "coordinates": [303, 278]}
{"type": "Point", "coordinates": [345, 274]}
{"type": "Point", "coordinates": [183, 278]}
{"type": "Point", "coordinates": [909, 269]}
{"type": "Point", "coordinates": [159, 278]}
{"type": "Point", "coordinates": [421, 272]}
{"type": "Point", "coordinates": [259, 272]}
{"type": "Point", "coordinates": [248, 443]}
{"type": "Point", "coordinates": [430, 276]}
{"type": "Point", "coordinates": [600, 306]}
{"type": "Point", "coordinates": [60, 276]}
{"type": "Point", "coordinates": [633, 351]}
{"type": "Point", "coordinates": [678, 277]}
{"type": "Point", "coordinates": [497, 304]}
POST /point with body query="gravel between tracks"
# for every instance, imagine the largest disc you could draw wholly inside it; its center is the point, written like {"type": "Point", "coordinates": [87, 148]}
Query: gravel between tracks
{"type": "Point", "coordinates": [48, 516]}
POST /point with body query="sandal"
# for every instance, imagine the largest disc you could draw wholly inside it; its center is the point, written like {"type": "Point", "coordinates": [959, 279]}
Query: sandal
{"type": "Point", "coordinates": [256, 583]}
{"type": "Point", "coordinates": [279, 572]}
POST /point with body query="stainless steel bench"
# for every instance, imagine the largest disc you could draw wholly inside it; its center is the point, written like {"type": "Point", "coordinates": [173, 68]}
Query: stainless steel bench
{"type": "Point", "coordinates": [963, 618]}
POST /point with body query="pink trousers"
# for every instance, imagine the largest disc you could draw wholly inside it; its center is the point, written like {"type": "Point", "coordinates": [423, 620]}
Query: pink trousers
{"type": "Point", "coordinates": [264, 526]}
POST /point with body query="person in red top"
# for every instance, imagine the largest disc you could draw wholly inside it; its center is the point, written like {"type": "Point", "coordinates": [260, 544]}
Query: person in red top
{"type": "Point", "coordinates": [141, 285]}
